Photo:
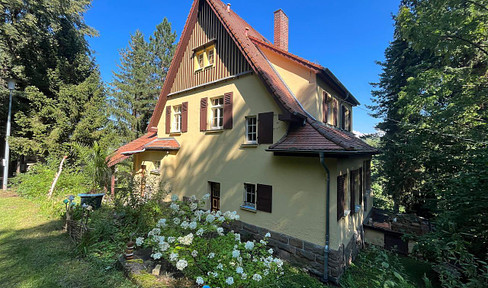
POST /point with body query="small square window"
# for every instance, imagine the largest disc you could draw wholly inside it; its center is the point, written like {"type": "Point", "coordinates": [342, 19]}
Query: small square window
{"type": "Point", "coordinates": [251, 131]}
{"type": "Point", "coordinates": [250, 195]}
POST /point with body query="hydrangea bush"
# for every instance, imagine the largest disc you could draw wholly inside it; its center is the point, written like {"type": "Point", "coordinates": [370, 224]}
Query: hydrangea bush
{"type": "Point", "coordinates": [194, 241]}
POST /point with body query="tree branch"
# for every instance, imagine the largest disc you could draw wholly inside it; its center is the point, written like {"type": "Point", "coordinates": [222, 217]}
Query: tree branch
{"type": "Point", "coordinates": [480, 47]}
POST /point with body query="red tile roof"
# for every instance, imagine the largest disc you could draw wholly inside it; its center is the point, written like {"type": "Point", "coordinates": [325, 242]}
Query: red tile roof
{"type": "Point", "coordinates": [148, 141]}
{"type": "Point", "coordinates": [163, 144]}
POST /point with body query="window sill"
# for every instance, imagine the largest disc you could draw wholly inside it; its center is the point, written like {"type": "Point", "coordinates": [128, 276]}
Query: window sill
{"type": "Point", "coordinates": [214, 131]}
{"type": "Point", "coordinates": [174, 133]}
{"type": "Point", "coordinates": [198, 70]}
{"type": "Point", "coordinates": [249, 145]}
{"type": "Point", "coordinates": [155, 172]}
{"type": "Point", "coordinates": [248, 208]}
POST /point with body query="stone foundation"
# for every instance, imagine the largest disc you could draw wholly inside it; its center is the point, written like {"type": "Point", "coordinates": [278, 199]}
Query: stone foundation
{"type": "Point", "coordinates": [303, 253]}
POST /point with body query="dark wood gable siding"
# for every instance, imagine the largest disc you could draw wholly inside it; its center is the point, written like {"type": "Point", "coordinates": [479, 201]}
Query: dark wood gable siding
{"type": "Point", "coordinates": [228, 59]}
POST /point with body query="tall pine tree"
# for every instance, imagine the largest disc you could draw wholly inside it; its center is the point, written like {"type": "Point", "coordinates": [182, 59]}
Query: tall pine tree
{"type": "Point", "coordinates": [137, 84]}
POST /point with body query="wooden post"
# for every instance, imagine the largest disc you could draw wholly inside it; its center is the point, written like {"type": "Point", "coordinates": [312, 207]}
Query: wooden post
{"type": "Point", "coordinates": [50, 194]}
{"type": "Point", "coordinates": [112, 181]}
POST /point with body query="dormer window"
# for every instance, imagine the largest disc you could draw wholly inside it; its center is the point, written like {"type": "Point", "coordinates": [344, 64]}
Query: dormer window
{"type": "Point", "coordinates": [204, 57]}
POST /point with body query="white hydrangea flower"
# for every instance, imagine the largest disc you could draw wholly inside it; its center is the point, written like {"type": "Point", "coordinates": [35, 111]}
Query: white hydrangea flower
{"type": "Point", "coordinates": [193, 225]}
{"type": "Point", "coordinates": [220, 230]}
{"type": "Point", "coordinates": [184, 225]}
{"type": "Point", "coordinates": [220, 266]}
{"type": "Point", "coordinates": [278, 262]}
{"type": "Point", "coordinates": [174, 197]}
{"type": "Point", "coordinates": [221, 219]}
{"type": "Point", "coordinates": [211, 255]}
{"type": "Point", "coordinates": [218, 213]}
{"type": "Point", "coordinates": [187, 240]}
{"type": "Point", "coordinates": [262, 242]}
{"type": "Point", "coordinates": [157, 255]}
{"type": "Point", "coordinates": [244, 276]}
{"type": "Point", "coordinates": [229, 280]}
{"type": "Point", "coordinates": [154, 231]}
{"type": "Point", "coordinates": [139, 241]}
{"type": "Point", "coordinates": [210, 218]}
{"type": "Point", "coordinates": [200, 232]}
{"type": "Point", "coordinates": [173, 256]}
{"type": "Point", "coordinates": [270, 251]}
{"type": "Point", "coordinates": [164, 246]}
{"type": "Point", "coordinates": [177, 221]}
{"type": "Point", "coordinates": [174, 206]}
{"type": "Point", "coordinates": [181, 212]}
{"type": "Point", "coordinates": [193, 198]}
{"type": "Point", "coordinates": [161, 223]}
{"type": "Point", "coordinates": [266, 272]}
{"type": "Point", "coordinates": [194, 253]}
{"type": "Point", "coordinates": [249, 245]}
{"type": "Point", "coordinates": [206, 196]}
{"type": "Point", "coordinates": [257, 277]}
{"type": "Point", "coordinates": [267, 235]}
{"type": "Point", "coordinates": [237, 236]}
{"type": "Point", "coordinates": [236, 253]}
{"type": "Point", "coordinates": [181, 264]}
{"type": "Point", "coordinates": [200, 281]}
{"type": "Point", "coordinates": [237, 217]}
{"type": "Point", "coordinates": [193, 206]}
{"type": "Point", "coordinates": [239, 270]}
{"type": "Point", "coordinates": [171, 239]}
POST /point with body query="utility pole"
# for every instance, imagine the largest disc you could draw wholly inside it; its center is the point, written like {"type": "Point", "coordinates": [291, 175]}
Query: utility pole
{"type": "Point", "coordinates": [11, 87]}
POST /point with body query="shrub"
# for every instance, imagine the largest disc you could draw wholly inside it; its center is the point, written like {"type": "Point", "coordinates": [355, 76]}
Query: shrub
{"type": "Point", "coordinates": [195, 242]}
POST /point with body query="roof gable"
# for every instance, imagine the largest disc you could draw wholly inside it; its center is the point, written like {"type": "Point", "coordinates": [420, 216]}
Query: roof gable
{"type": "Point", "coordinates": [208, 32]}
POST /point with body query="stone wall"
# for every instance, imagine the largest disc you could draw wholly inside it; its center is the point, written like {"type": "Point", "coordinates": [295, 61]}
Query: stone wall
{"type": "Point", "coordinates": [303, 253]}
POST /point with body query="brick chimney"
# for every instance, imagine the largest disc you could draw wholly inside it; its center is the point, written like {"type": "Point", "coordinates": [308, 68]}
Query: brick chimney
{"type": "Point", "coordinates": [281, 30]}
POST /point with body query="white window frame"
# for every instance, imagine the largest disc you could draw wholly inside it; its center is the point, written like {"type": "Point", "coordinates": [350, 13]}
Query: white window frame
{"type": "Point", "coordinates": [216, 112]}
{"type": "Point", "coordinates": [177, 118]}
{"type": "Point", "coordinates": [250, 189]}
{"type": "Point", "coordinates": [255, 132]}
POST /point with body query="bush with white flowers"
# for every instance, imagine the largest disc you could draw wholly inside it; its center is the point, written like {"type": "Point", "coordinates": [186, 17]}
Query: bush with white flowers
{"type": "Point", "coordinates": [195, 242]}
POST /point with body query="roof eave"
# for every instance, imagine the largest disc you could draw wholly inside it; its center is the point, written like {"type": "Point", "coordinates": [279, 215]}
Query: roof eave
{"type": "Point", "coordinates": [348, 97]}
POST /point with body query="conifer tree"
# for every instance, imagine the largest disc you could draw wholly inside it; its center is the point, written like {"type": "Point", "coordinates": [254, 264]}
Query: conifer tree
{"type": "Point", "coordinates": [61, 97]}
{"type": "Point", "coordinates": [138, 81]}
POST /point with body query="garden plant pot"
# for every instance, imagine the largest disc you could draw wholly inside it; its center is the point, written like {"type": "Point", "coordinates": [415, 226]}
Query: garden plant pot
{"type": "Point", "coordinates": [94, 200]}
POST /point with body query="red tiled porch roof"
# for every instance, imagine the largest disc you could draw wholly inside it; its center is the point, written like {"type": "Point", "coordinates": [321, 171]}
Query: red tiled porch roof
{"type": "Point", "coordinates": [149, 141]}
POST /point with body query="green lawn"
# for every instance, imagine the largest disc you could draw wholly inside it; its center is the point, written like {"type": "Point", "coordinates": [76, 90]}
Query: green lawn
{"type": "Point", "coordinates": [34, 252]}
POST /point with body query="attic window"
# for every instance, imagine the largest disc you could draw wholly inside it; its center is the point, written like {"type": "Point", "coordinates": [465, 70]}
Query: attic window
{"type": "Point", "coordinates": [204, 57]}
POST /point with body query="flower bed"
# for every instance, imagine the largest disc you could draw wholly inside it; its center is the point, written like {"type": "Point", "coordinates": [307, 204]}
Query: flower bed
{"type": "Point", "coordinates": [195, 242]}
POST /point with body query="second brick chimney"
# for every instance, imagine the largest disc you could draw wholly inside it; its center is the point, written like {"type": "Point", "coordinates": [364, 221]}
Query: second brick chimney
{"type": "Point", "coordinates": [281, 30]}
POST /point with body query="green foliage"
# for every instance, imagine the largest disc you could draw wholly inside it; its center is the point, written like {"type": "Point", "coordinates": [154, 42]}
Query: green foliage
{"type": "Point", "coordinates": [377, 268]}
{"type": "Point", "coordinates": [96, 167]}
{"type": "Point", "coordinates": [433, 94]}
{"type": "Point", "coordinates": [137, 84]}
{"type": "Point", "coordinates": [35, 184]}
{"type": "Point", "coordinates": [61, 99]}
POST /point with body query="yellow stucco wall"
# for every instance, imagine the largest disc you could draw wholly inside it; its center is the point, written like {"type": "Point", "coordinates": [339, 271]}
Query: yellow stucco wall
{"type": "Point", "coordinates": [298, 206]}
{"type": "Point", "coordinates": [301, 81]}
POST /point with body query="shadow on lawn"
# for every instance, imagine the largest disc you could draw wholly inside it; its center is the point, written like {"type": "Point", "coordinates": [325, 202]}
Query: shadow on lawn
{"type": "Point", "coordinates": [42, 256]}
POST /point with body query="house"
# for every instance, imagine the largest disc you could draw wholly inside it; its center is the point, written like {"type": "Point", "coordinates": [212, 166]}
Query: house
{"type": "Point", "coordinates": [266, 133]}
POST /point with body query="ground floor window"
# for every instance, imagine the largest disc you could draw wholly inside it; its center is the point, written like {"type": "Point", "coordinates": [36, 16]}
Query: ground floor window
{"type": "Point", "coordinates": [250, 195]}
{"type": "Point", "coordinates": [214, 195]}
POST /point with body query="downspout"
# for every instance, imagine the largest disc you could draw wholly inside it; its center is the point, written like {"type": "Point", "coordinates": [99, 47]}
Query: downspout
{"type": "Point", "coordinates": [327, 212]}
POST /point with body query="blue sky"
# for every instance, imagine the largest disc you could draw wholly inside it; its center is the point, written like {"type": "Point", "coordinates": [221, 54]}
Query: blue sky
{"type": "Point", "coordinates": [345, 36]}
